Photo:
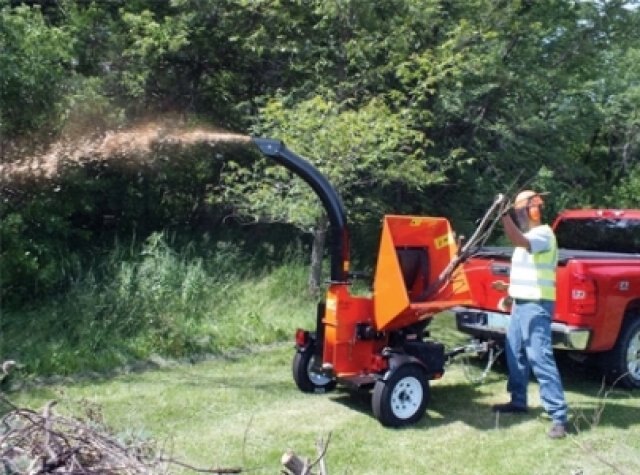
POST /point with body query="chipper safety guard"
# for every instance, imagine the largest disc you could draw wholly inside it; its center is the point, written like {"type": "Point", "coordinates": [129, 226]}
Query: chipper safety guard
{"type": "Point", "coordinates": [379, 342]}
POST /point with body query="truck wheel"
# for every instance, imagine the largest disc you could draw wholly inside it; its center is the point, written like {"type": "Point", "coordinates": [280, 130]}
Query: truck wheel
{"type": "Point", "coordinates": [402, 398]}
{"type": "Point", "coordinates": [623, 361]}
{"type": "Point", "coordinates": [308, 380]}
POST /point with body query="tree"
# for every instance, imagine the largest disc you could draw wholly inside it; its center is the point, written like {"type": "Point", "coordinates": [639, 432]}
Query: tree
{"type": "Point", "coordinates": [514, 94]}
{"type": "Point", "coordinates": [34, 63]}
{"type": "Point", "coordinates": [363, 152]}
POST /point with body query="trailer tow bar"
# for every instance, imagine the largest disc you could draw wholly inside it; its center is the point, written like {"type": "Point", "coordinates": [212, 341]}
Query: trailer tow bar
{"type": "Point", "coordinates": [492, 350]}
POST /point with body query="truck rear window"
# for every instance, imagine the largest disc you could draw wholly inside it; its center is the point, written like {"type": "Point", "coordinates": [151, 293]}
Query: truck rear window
{"type": "Point", "coordinates": [600, 234]}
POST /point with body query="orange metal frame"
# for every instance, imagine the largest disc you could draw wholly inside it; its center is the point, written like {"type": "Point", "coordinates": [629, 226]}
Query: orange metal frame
{"type": "Point", "coordinates": [395, 303]}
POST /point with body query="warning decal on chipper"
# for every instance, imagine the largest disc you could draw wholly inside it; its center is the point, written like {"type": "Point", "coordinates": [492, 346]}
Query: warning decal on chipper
{"type": "Point", "coordinates": [442, 241]}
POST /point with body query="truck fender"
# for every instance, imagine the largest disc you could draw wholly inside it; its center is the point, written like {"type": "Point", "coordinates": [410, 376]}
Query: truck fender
{"type": "Point", "coordinates": [631, 312]}
{"type": "Point", "coordinates": [633, 309]}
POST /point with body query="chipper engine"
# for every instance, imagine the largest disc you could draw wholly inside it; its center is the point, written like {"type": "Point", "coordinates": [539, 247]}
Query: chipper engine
{"type": "Point", "coordinates": [379, 342]}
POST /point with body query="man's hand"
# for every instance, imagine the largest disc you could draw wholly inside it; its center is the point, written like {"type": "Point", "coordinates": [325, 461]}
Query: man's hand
{"type": "Point", "coordinates": [513, 232]}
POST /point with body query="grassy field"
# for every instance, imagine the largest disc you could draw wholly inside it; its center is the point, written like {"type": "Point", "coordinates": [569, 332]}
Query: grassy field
{"type": "Point", "coordinates": [243, 410]}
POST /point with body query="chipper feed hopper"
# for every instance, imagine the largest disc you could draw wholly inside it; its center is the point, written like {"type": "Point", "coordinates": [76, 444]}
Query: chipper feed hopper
{"type": "Point", "coordinates": [378, 342]}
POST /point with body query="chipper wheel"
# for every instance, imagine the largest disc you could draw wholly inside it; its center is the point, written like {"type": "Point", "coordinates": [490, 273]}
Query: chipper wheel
{"type": "Point", "coordinates": [402, 398]}
{"type": "Point", "coordinates": [308, 380]}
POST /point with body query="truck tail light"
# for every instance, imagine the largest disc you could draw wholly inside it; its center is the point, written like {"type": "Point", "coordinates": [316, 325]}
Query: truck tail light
{"type": "Point", "coordinates": [583, 295]}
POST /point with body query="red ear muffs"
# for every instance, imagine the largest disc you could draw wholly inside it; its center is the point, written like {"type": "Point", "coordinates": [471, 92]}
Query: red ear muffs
{"type": "Point", "coordinates": [534, 208]}
{"type": "Point", "coordinates": [534, 212]}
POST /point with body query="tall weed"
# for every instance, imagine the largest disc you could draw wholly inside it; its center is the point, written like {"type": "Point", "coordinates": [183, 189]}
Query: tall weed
{"type": "Point", "coordinates": [173, 303]}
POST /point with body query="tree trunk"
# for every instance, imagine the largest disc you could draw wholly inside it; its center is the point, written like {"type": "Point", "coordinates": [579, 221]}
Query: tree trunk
{"type": "Point", "coordinates": [317, 253]}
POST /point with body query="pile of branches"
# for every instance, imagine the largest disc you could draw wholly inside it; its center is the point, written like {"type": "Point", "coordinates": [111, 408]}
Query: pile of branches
{"type": "Point", "coordinates": [43, 442]}
{"type": "Point", "coordinates": [38, 443]}
{"type": "Point", "coordinates": [34, 443]}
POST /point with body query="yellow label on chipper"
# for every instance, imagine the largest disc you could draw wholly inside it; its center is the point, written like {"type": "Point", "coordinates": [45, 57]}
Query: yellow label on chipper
{"type": "Point", "coordinates": [442, 241]}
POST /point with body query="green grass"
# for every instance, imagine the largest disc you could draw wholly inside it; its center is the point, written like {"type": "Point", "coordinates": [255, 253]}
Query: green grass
{"type": "Point", "coordinates": [195, 352]}
{"type": "Point", "coordinates": [243, 410]}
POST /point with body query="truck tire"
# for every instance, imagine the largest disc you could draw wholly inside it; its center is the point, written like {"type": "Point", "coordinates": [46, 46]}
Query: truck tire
{"type": "Point", "coordinates": [402, 398]}
{"type": "Point", "coordinates": [622, 363]}
{"type": "Point", "coordinates": [308, 380]}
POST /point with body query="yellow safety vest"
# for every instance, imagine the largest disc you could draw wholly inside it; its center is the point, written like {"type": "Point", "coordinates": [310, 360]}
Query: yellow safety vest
{"type": "Point", "coordinates": [533, 276]}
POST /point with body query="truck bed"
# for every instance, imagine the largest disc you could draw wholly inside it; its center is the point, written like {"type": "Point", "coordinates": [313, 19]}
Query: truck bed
{"type": "Point", "coordinates": [504, 252]}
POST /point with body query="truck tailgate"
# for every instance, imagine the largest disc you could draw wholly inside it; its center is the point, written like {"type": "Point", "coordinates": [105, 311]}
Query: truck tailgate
{"type": "Point", "coordinates": [490, 265]}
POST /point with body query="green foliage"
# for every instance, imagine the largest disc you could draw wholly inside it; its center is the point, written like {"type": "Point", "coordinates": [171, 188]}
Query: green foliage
{"type": "Point", "coordinates": [53, 226]}
{"type": "Point", "coordinates": [148, 43]}
{"type": "Point", "coordinates": [359, 151]}
{"type": "Point", "coordinates": [627, 193]}
{"type": "Point", "coordinates": [512, 94]}
{"type": "Point", "coordinates": [37, 242]}
{"type": "Point", "coordinates": [34, 64]}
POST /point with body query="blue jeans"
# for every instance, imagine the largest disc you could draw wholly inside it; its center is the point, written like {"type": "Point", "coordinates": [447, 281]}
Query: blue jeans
{"type": "Point", "coordinates": [529, 348]}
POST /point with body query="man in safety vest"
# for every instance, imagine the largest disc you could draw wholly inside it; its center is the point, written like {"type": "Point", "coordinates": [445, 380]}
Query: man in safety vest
{"type": "Point", "coordinates": [532, 288]}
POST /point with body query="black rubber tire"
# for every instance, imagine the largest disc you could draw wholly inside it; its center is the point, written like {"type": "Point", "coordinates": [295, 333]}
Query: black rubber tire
{"type": "Point", "coordinates": [622, 363]}
{"type": "Point", "coordinates": [401, 399]}
{"type": "Point", "coordinates": [307, 380]}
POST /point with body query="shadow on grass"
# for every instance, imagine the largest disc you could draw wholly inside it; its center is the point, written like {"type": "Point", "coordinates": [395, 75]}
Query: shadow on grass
{"type": "Point", "coordinates": [447, 405]}
{"type": "Point", "coordinates": [599, 404]}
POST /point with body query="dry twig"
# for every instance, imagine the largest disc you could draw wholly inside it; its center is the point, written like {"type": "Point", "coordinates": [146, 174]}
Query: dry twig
{"type": "Point", "coordinates": [593, 422]}
{"type": "Point", "coordinates": [33, 443]}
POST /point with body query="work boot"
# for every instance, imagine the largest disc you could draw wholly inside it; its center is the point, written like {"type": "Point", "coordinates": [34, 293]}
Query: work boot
{"type": "Point", "coordinates": [558, 431]}
{"type": "Point", "coordinates": [508, 408]}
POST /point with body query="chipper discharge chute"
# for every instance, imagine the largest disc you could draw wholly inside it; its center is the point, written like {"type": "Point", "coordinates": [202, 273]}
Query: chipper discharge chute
{"type": "Point", "coordinates": [379, 342]}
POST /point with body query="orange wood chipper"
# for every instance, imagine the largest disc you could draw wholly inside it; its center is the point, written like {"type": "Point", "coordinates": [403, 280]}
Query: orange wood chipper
{"type": "Point", "coordinates": [379, 342]}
